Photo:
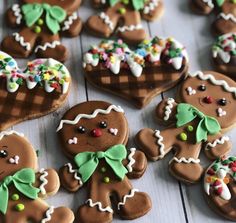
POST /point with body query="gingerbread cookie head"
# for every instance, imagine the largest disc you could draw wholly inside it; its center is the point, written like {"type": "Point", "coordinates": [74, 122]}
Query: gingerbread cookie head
{"type": "Point", "coordinates": [213, 94]}
{"type": "Point", "coordinates": [92, 128]}
{"type": "Point", "coordinates": [219, 186]}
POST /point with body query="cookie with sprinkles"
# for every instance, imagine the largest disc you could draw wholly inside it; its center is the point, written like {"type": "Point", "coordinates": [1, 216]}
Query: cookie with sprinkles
{"type": "Point", "coordinates": [23, 188]}
{"type": "Point", "coordinates": [224, 54]}
{"type": "Point", "coordinates": [137, 75]}
{"type": "Point", "coordinates": [219, 187]}
{"type": "Point", "coordinates": [40, 88]}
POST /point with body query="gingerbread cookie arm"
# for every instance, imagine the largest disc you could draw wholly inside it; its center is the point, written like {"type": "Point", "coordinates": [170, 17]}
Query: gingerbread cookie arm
{"type": "Point", "coordinates": [217, 146]}
{"type": "Point", "coordinates": [153, 9]}
{"type": "Point", "coordinates": [204, 7]}
{"type": "Point", "coordinates": [14, 16]}
{"type": "Point", "coordinates": [70, 178]}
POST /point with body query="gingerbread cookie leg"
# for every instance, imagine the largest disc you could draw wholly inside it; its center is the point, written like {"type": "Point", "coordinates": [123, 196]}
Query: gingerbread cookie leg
{"type": "Point", "coordinates": [204, 7]}
{"type": "Point", "coordinates": [51, 47]}
{"type": "Point", "coordinates": [22, 43]}
{"type": "Point", "coordinates": [153, 9]}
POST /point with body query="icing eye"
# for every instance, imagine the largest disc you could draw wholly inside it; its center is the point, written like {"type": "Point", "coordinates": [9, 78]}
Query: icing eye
{"type": "Point", "coordinates": [3, 153]}
{"type": "Point", "coordinates": [103, 125]}
{"type": "Point", "coordinates": [222, 101]}
{"type": "Point", "coordinates": [81, 129]}
{"type": "Point", "coordinates": [202, 87]}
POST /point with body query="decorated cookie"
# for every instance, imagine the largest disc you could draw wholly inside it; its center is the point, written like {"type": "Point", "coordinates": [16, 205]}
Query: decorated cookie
{"type": "Point", "coordinates": [219, 186]}
{"type": "Point", "coordinates": [42, 23]}
{"type": "Point", "coordinates": [93, 135]}
{"type": "Point", "coordinates": [22, 188]}
{"type": "Point", "coordinates": [203, 111]}
{"type": "Point", "coordinates": [226, 13]}
{"type": "Point", "coordinates": [39, 89]}
{"type": "Point", "coordinates": [155, 66]}
{"type": "Point", "coordinates": [224, 54]}
{"type": "Point", "coordinates": [124, 18]}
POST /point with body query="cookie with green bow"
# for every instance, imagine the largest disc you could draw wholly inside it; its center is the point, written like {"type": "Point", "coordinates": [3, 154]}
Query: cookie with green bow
{"type": "Point", "coordinates": [93, 136]}
{"type": "Point", "coordinates": [23, 187]}
{"type": "Point", "coordinates": [196, 120]}
{"type": "Point", "coordinates": [42, 23]}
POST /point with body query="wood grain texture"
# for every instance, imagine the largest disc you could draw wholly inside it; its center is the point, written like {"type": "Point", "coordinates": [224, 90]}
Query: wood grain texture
{"type": "Point", "coordinates": [172, 201]}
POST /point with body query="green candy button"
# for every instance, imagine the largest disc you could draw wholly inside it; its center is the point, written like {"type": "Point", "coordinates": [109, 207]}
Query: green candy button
{"type": "Point", "coordinates": [20, 207]}
{"type": "Point", "coordinates": [106, 180]}
{"type": "Point", "coordinates": [190, 128]}
{"type": "Point", "coordinates": [183, 136]}
{"type": "Point", "coordinates": [15, 197]}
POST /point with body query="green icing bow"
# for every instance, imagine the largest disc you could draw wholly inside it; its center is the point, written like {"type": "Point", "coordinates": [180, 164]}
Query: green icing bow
{"type": "Point", "coordinates": [137, 4]}
{"type": "Point", "coordinates": [88, 161]}
{"type": "Point", "coordinates": [23, 181]}
{"type": "Point", "coordinates": [221, 2]}
{"type": "Point", "coordinates": [207, 125]}
{"type": "Point", "coordinates": [54, 15]}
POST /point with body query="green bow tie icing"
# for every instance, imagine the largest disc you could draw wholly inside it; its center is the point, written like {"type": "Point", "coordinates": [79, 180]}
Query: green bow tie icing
{"type": "Point", "coordinates": [54, 15]}
{"type": "Point", "coordinates": [207, 125]}
{"type": "Point", "coordinates": [23, 181]}
{"type": "Point", "coordinates": [137, 4]}
{"type": "Point", "coordinates": [87, 162]}
{"type": "Point", "coordinates": [221, 2]}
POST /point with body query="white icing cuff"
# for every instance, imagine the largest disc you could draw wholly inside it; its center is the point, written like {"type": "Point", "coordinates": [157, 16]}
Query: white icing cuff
{"type": "Point", "coordinates": [151, 6]}
{"type": "Point", "coordinates": [131, 160]}
{"type": "Point", "coordinates": [47, 45]}
{"type": "Point", "coordinates": [227, 17]}
{"type": "Point", "coordinates": [160, 143]}
{"type": "Point", "coordinates": [20, 39]}
{"type": "Point", "coordinates": [17, 13]}
{"type": "Point", "coordinates": [220, 141]}
{"type": "Point", "coordinates": [168, 108]}
{"type": "Point", "coordinates": [209, 3]}
{"type": "Point", "coordinates": [185, 160]}
{"type": "Point", "coordinates": [44, 181]}
{"type": "Point", "coordinates": [69, 21]}
{"type": "Point", "coordinates": [99, 206]}
{"type": "Point", "coordinates": [106, 19]}
{"type": "Point", "coordinates": [130, 28]}
{"type": "Point", "coordinates": [49, 213]}
{"type": "Point", "coordinates": [132, 192]}
{"type": "Point", "coordinates": [73, 171]}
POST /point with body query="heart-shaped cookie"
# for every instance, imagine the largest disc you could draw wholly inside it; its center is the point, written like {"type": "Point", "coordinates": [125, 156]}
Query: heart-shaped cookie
{"type": "Point", "coordinates": [33, 92]}
{"type": "Point", "coordinates": [155, 66]}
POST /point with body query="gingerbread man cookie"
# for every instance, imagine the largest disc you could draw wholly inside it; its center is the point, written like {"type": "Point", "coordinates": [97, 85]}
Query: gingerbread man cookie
{"type": "Point", "coordinates": [42, 22]}
{"type": "Point", "coordinates": [137, 75]}
{"type": "Point", "coordinates": [39, 89]}
{"type": "Point", "coordinates": [22, 189]}
{"type": "Point", "coordinates": [197, 119]}
{"type": "Point", "coordinates": [224, 54]}
{"type": "Point", "coordinates": [219, 186]}
{"type": "Point", "coordinates": [124, 17]}
{"type": "Point", "coordinates": [94, 134]}
{"type": "Point", "coordinates": [226, 13]}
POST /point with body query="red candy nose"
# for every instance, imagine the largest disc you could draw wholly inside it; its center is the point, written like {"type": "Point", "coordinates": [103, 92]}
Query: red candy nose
{"type": "Point", "coordinates": [208, 99]}
{"type": "Point", "coordinates": [96, 132]}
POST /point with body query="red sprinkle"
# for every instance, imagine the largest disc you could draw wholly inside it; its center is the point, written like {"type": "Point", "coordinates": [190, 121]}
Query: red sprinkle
{"type": "Point", "coordinates": [219, 190]}
{"type": "Point", "coordinates": [216, 183]}
{"type": "Point", "coordinates": [211, 172]}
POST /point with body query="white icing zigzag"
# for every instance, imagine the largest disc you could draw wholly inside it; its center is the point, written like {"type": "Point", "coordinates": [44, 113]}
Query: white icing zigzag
{"type": "Point", "coordinates": [126, 197]}
{"type": "Point", "coordinates": [130, 28]}
{"type": "Point", "coordinates": [106, 19]}
{"type": "Point", "coordinates": [17, 13]}
{"type": "Point", "coordinates": [71, 170]}
{"type": "Point", "coordinates": [228, 17]}
{"type": "Point", "coordinates": [209, 3]}
{"type": "Point", "coordinates": [44, 180]}
{"type": "Point", "coordinates": [49, 213]}
{"type": "Point", "coordinates": [168, 108]}
{"type": "Point", "coordinates": [151, 6]}
{"type": "Point", "coordinates": [210, 77]}
{"type": "Point", "coordinates": [131, 160]}
{"type": "Point", "coordinates": [99, 205]}
{"type": "Point", "coordinates": [7, 133]}
{"type": "Point", "coordinates": [86, 116]}
{"type": "Point", "coordinates": [20, 39]}
{"type": "Point", "coordinates": [69, 21]}
{"type": "Point", "coordinates": [185, 160]}
{"type": "Point", "coordinates": [47, 45]}
{"type": "Point", "coordinates": [160, 143]}
{"type": "Point", "coordinates": [220, 141]}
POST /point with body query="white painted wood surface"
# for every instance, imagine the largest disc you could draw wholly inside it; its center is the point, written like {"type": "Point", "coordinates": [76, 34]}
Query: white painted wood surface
{"type": "Point", "coordinates": [172, 200]}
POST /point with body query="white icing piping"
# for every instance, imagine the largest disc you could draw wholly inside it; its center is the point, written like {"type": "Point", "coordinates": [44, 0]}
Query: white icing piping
{"type": "Point", "coordinates": [132, 192]}
{"type": "Point", "coordinates": [151, 6]}
{"type": "Point", "coordinates": [86, 116]}
{"type": "Point", "coordinates": [99, 205]}
{"type": "Point", "coordinates": [210, 77]}
{"type": "Point", "coordinates": [44, 180]}
{"type": "Point", "coordinates": [7, 133]}
{"type": "Point", "coordinates": [185, 160]}
{"type": "Point", "coordinates": [220, 141]}
{"type": "Point", "coordinates": [160, 143]}
{"type": "Point", "coordinates": [131, 160]}
{"type": "Point", "coordinates": [129, 28]}
{"type": "Point", "coordinates": [209, 3]}
{"type": "Point", "coordinates": [168, 108]}
{"type": "Point", "coordinates": [49, 212]}
{"type": "Point", "coordinates": [17, 13]}
{"type": "Point", "coordinates": [69, 21]}
{"type": "Point", "coordinates": [228, 17]}
{"type": "Point", "coordinates": [20, 39]}
{"type": "Point", "coordinates": [71, 170]}
{"type": "Point", "coordinates": [47, 45]}
{"type": "Point", "coordinates": [106, 19]}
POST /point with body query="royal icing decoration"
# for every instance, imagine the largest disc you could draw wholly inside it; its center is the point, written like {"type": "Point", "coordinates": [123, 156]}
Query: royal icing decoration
{"type": "Point", "coordinates": [75, 172]}
{"type": "Point", "coordinates": [113, 131]}
{"type": "Point", "coordinates": [87, 116]}
{"type": "Point", "coordinates": [14, 160]}
{"type": "Point", "coordinates": [160, 143]}
{"type": "Point", "coordinates": [52, 45]}
{"type": "Point", "coordinates": [17, 13]}
{"type": "Point", "coordinates": [49, 213]}
{"type": "Point", "coordinates": [131, 160]}
{"type": "Point", "coordinates": [132, 192]}
{"type": "Point", "coordinates": [168, 108]}
{"type": "Point", "coordinates": [123, 29]}
{"type": "Point", "coordinates": [209, 3]}
{"type": "Point", "coordinates": [221, 112]}
{"type": "Point", "coordinates": [20, 39]}
{"type": "Point", "coordinates": [229, 16]}
{"type": "Point", "coordinates": [7, 133]}
{"type": "Point", "coordinates": [150, 6]}
{"type": "Point", "coordinates": [106, 19]}
{"type": "Point", "coordinates": [216, 142]}
{"type": "Point", "coordinates": [185, 160]}
{"type": "Point", "coordinates": [69, 21]}
{"type": "Point", "coordinates": [43, 72]}
{"type": "Point", "coordinates": [44, 181]}
{"type": "Point", "coordinates": [225, 47]}
{"type": "Point", "coordinates": [191, 91]}
{"type": "Point", "coordinates": [74, 140]}
{"type": "Point", "coordinates": [217, 177]}
{"type": "Point", "coordinates": [99, 205]}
